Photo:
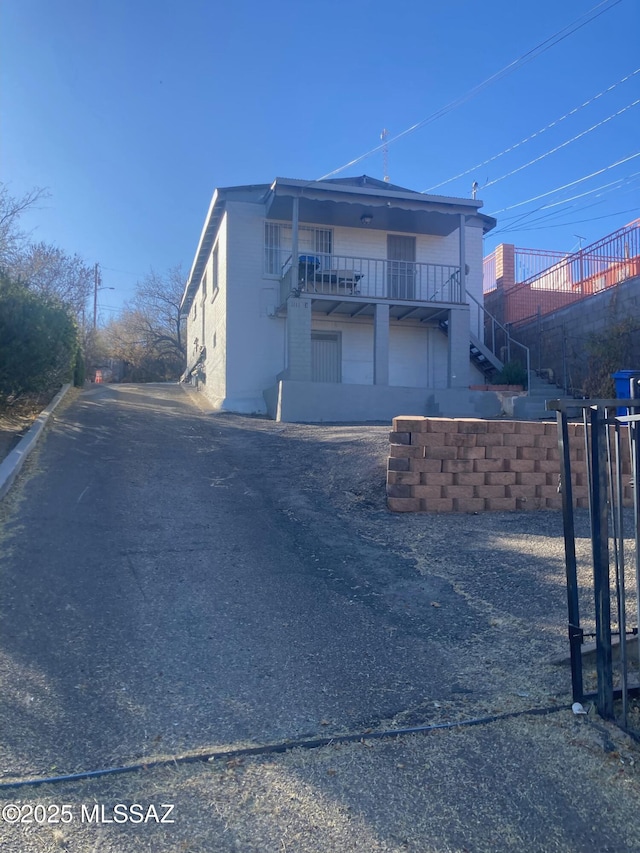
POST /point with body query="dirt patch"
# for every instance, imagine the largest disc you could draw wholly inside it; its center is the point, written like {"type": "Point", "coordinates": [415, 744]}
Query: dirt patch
{"type": "Point", "coordinates": [16, 418]}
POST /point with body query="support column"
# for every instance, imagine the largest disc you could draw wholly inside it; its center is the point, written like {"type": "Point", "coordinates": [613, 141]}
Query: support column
{"type": "Point", "coordinates": [295, 207]}
{"type": "Point", "coordinates": [459, 341]}
{"type": "Point", "coordinates": [462, 235]}
{"type": "Point", "coordinates": [298, 339]}
{"type": "Point", "coordinates": [381, 344]}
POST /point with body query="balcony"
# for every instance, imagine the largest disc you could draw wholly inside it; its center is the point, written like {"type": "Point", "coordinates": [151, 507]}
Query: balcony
{"type": "Point", "coordinates": [340, 277]}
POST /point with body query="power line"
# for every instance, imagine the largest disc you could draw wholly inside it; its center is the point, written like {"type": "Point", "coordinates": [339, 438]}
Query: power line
{"type": "Point", "coordinates": [534, 135]}
{"type": "Point", "coordinates": [572, 222]}
{"type": "Point", "coordinates": [545, 45]}
{"type": "Point", "coordinates": [615, 186]}
{"type": "Point", "coordinates": [562, 145]}
{"type": "Point", "coordinates": [566, 186]}
{"type": "Point", "coordinates": [512, 221]}
{"type": "Point", "coordinates": [513, 226]}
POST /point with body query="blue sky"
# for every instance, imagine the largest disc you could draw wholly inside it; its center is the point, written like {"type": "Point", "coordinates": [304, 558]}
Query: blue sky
{"type": "Point", "coordinates": [131, 113]}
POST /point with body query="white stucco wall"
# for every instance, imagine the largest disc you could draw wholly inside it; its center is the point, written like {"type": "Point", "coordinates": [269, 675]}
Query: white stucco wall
{"type": "Point", "coordinates": [409, 362]}
{"type": "Point", "coordinates": [417, 353]}
{"type": "Point", "coordinates": [213, 309]}
{"type": "Point", "coordinates": [369, 243]}
{"type": "Point", "coordinates": [356, 346]}
{"type": "Point", "coordinates": [254, 338]}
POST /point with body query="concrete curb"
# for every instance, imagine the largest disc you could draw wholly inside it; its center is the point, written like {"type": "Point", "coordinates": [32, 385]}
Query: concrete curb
{"type": "Point", "coordinates": [11, 465]}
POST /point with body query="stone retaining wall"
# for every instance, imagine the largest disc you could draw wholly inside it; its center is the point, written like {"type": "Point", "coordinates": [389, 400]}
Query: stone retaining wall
{"type": "Point", "coordinates": [471, 465]}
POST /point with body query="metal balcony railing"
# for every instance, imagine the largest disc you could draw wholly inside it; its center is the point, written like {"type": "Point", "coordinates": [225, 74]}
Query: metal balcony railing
{"type": "Point", "coordinates": [373, 278]}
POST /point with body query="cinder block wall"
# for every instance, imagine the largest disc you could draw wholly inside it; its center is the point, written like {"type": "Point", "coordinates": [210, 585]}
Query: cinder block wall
{"type": "Point", "coordinates": [470, 465]}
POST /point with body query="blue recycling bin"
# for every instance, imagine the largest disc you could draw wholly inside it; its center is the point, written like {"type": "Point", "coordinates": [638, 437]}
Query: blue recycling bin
{"type": "Point", "coordinates": [622, 380]}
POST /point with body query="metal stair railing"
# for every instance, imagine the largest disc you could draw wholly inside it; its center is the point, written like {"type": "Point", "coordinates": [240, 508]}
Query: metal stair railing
{"type": "Point", "coordinates": [497, 338]}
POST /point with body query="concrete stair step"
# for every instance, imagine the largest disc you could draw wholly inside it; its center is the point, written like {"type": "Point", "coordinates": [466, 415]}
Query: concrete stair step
{"type": "Point", "coordinates": [531, 409]}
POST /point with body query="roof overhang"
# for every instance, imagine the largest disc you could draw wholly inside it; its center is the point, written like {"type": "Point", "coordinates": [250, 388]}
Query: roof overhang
{"type": "Point", "coordinates": [205, 244]}
{"type": "Point", "coordinates": [250, 192]}
{"type": "Point", "coordinates": [325, 203]}
{"type": "Point", "coordinates": [338, 203]}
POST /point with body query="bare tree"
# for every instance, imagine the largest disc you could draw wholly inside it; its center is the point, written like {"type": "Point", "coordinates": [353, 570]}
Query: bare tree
{"type": "Point", "coordinates": [148, 336]}
{"type": "Point", "coordinates": [40, 267]}
{"type": "Point", "coordinates": [157, 303]}
{"type": "Point", "coordinates": [51, 272]}
{"type": "Point", "coordinates": [12, 239]}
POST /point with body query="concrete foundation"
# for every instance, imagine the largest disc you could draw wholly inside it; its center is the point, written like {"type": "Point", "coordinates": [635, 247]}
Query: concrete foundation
{"type": "Point", "coordinates": [318, 402]}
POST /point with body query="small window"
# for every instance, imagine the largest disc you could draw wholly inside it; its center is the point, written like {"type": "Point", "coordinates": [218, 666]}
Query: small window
{"type": "Point", "coordinates": [272, 261]}
{"type": "Point", "coordinates": [214, 273]}
{"type": "Point", "coordinates": [214, 340]}
{"type": "Point", "coordinates": [204, 285]}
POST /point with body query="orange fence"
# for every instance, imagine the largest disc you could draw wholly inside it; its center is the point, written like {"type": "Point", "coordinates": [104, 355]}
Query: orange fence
{"type": "Point", "coordinates": [558, 279]}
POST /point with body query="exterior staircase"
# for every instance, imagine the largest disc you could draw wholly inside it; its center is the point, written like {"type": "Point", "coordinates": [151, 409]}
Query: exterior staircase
{"type": "Point", "coordinates": [481, 356]}
{"type": "Point", "coordinates": [532, 407]}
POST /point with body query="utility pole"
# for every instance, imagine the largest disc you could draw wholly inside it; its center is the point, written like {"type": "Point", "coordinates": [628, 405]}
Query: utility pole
{"type": "Point", "coordinates": [96, 279]}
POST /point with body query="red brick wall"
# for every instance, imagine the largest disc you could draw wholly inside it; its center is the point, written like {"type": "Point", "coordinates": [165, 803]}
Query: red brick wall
{"type": "Point", "coordinates": [470, 465]}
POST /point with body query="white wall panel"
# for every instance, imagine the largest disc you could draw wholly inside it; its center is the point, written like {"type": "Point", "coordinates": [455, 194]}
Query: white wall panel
{"type": "Point", "coordinates": [357, 348]}
{"type": "Point", "coordinates": [409, 356]}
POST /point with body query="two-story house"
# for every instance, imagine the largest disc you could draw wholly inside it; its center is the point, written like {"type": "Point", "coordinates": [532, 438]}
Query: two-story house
{"type": "Point", "coordinates": [337, 300]}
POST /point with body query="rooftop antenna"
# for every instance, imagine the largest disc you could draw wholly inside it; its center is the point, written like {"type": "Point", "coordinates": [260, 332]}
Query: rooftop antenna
{"type": "Point", "coordinates": [385, 154]}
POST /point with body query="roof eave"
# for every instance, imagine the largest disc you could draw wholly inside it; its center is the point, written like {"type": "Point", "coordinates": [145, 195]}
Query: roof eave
{"type": "Point", "coordinates": [207, 235]}
{"type": "Point", "coordinates": [296, 186]}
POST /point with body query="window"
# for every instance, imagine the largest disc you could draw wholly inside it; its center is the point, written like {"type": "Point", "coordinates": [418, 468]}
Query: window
{"type": "Point", "coordinates": [204, 286]}
{"type": "Point", "coordinates": [214, 273]}
{"type": "Point", "coordinates": [272, 263]}
{"type": "Point", "coordinates": [278, 244]}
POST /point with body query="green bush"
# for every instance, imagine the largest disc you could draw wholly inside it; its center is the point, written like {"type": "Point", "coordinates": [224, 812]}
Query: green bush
{"type": "Point", "coordinates": [513, 373]}
{"type": "Point", "coordinates": [38, 341]}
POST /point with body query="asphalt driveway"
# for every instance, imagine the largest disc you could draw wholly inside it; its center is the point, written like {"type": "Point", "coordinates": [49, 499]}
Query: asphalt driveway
{"type": "Point", "coordinates": [158, 595]}
{"type": "Point", "coordinates": [176, 580]}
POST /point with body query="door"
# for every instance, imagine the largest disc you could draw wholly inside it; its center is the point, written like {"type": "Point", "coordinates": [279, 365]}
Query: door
{"type": "Point", "coordinates": [326, 359]}
{"type": "Point", "coordinates": [401, 266]}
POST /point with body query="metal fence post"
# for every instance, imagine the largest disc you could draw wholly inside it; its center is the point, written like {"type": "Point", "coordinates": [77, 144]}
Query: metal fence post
{"type": "Point", "coordinates": [573, 608]}
{"type": "Point", "coordinates": [600, 550]}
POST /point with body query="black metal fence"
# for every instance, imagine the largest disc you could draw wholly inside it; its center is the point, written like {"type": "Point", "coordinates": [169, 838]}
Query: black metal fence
{"type": "Point", "coordinates": [605, 663]}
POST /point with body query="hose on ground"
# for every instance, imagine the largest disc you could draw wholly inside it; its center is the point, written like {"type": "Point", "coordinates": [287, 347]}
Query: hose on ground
{"type": "Point", "coordinates": [275, 748]}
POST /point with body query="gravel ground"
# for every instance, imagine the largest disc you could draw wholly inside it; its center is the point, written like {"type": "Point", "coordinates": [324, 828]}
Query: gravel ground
{"type": "Point", "coordinates": [544, 785]}
{"type": "Point", "coordinates": [487, 592]}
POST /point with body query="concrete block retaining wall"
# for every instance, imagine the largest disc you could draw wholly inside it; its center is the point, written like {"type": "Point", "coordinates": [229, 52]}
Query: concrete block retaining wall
{"type": "Point", "coordinates": [472, 465]}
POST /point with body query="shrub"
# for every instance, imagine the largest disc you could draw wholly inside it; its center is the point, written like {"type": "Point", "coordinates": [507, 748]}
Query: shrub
{"type": "Point", "coordinates": [79, 369]}
{"type": "Point", "coordinates": [38, 341]}
{"type": "Point", "coordinates": [513, 373]}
